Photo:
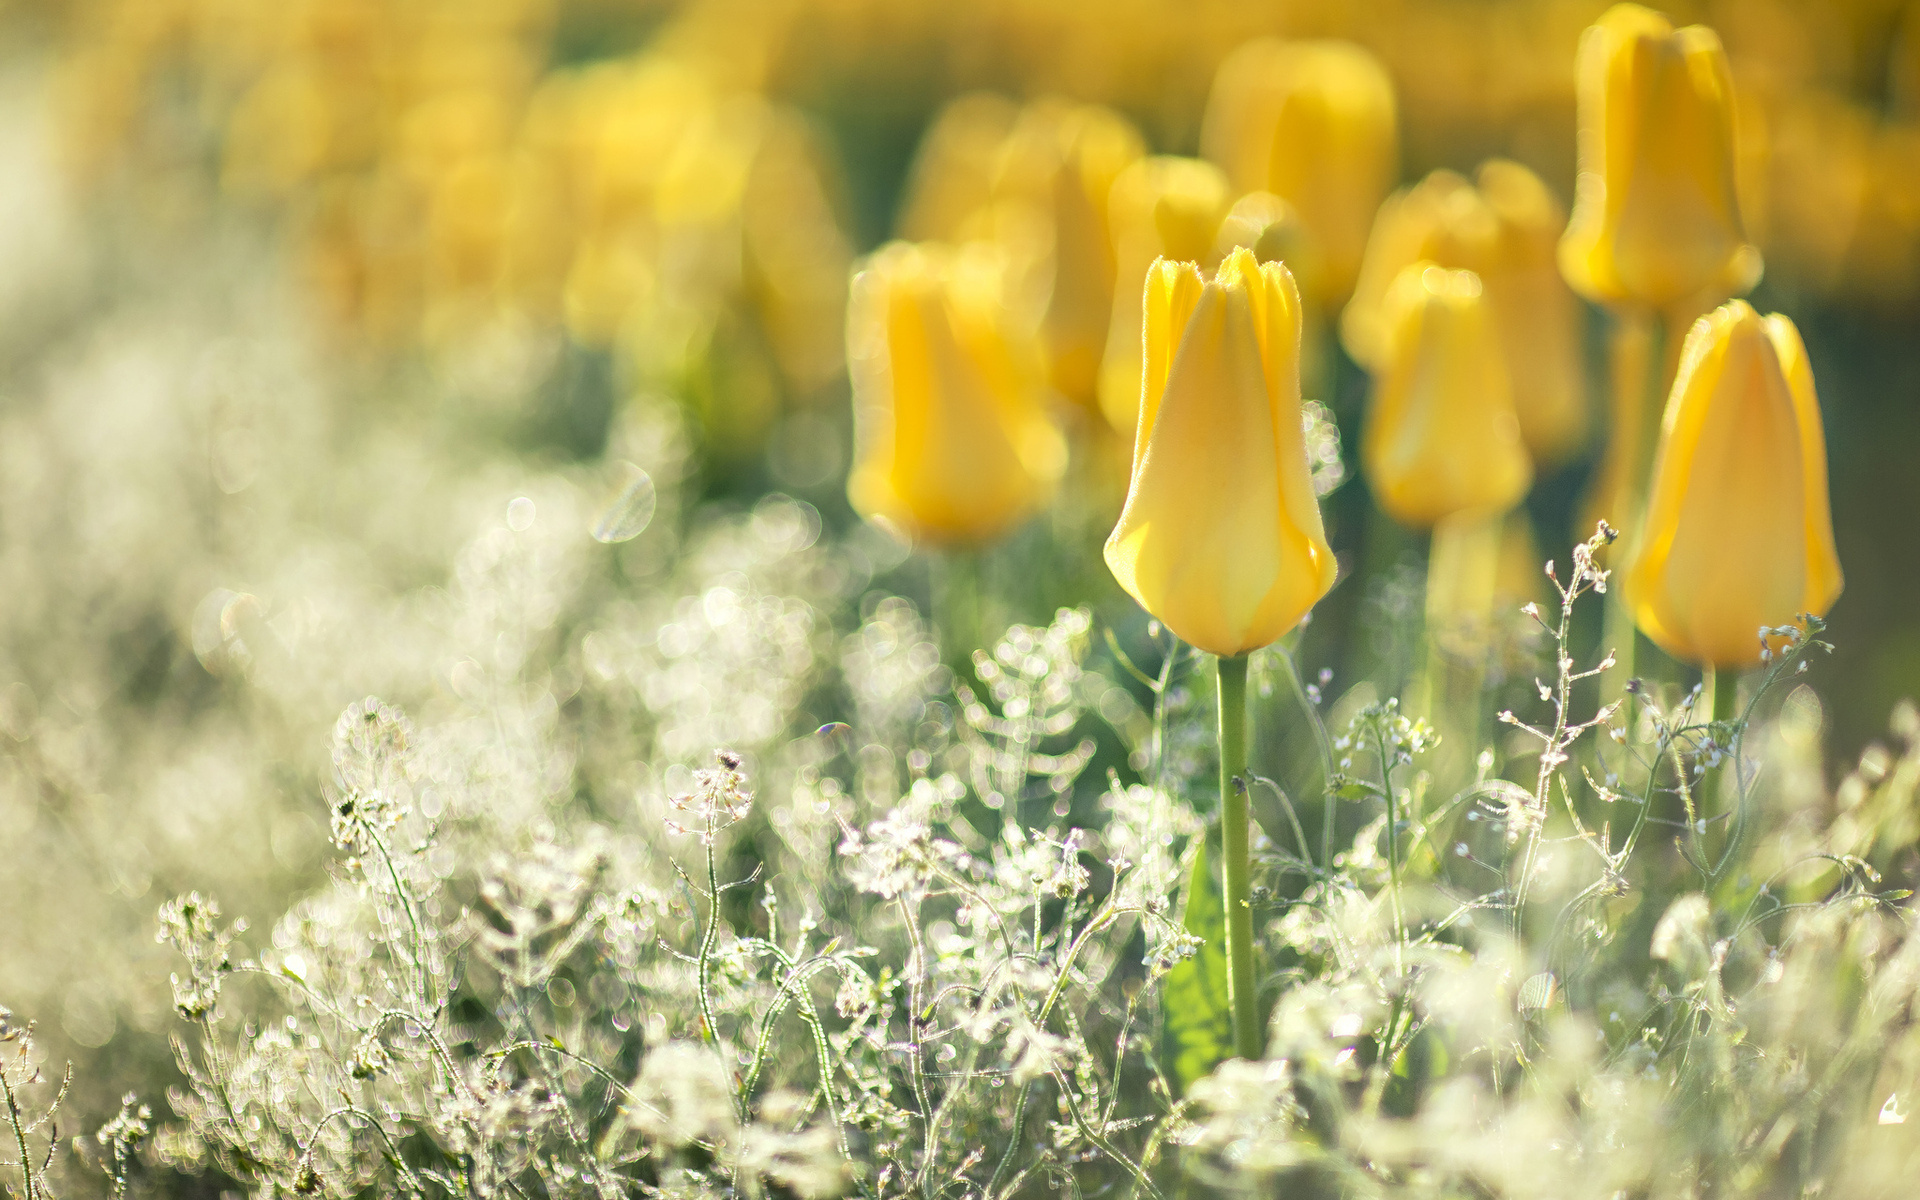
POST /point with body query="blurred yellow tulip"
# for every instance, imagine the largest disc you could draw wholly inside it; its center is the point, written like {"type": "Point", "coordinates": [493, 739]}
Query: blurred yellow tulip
{"type": "Point", "coordinates": [1441, 435]}
{"type": "Point", "coordinates": [1267, 225]}
{"type": "Point", "coordinates": [1656, 215]}
{"type": "Point", "coordinates": [1312, 122]}
{"type": "Point", "coordinates": [954, 444]}
{"type": "Point", "coordinates": [1062, 158]}
{"type": "Point", "coordinates": [1221, 536]}
{"type": "Point", "coordinates": [1737, 532]}
{"type": "Point", "coordinates": [1160, 207]}
{"type": "Point", "coordinates": [1505, 231]}
{"type": "Point", "coordinates": [953, 169]}
{"type": "Point", "coordinates": [1442, 220]}
{"type": "Point", "coordinates": [1538, 316]}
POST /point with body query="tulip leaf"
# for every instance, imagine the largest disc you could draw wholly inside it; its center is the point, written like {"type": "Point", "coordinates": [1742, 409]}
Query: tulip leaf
{"type": "Point", "coordinates": [1199, 1023]}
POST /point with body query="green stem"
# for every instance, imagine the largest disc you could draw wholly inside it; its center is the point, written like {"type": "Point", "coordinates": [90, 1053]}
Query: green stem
{"type": "Point", "coordinates": [1722, 688]}
{"type": "Point", "coordinates": [1235, 824]}
{"type": "Point", "coordinates": [1638, 400]}
{"type": "Point", "coordinates": [957, 608]}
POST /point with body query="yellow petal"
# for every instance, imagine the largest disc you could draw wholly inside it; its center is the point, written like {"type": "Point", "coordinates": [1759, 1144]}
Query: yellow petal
{"type": "Point", "coordinates": [1656, 215]}
{"type": "Point", "coordinates": [1737, 532]}
{"type": "Point", "coordinates": [1441, 435]}
{"type": "Point", "coordinates": [1314, 123]}
{"type": "Point", "coordinates": [1160, 207]}
{"type": "Point", "coordinates": [953, 442]}
{"type": "Point", "coordinates": [1221, 537]}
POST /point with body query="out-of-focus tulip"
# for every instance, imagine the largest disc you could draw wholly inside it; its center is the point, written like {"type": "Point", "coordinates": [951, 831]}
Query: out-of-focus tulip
{"type": "Point", "coordinates": [1537, 314]}
{"type": "Point", "coordinates": [1737, 532]}
{"type": "Point", "coordinates": [1442, 220]}
{"type": "Point", "coordinates": [1312, 122]}
{"type": "Point", "coordinates": [1267, 225]}
{"type": "Point", "coordinates": [1221, 536]}
{"type": "Point", "coordinates": [953, 170]}
{"type": "Point", "coordinates": [1160, 207]}
{"type": "Point", "coordinates": [1062, 159]}
{"type": "Point", "coordinates": [954, 443]}
{"type": "Point", "coordinates": [1505, 231]}
{"type": "Point", "coordinates": [1656, 216]}
{"type": "Point", "coordinates": [1441, 436]}
{"type": "Point", "coordinates": [796, 254]}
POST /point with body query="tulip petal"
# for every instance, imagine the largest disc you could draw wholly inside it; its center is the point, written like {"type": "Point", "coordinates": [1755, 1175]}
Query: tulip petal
{"type": "Point", "coordinates": [1737, 532]}
{"type": "Point", "coordinates": [1220, 537]}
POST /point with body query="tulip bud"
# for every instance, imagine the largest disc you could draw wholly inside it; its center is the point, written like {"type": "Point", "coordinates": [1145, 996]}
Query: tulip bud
{"type": "Point", "coordinates": [1538, 317]}
{"type": "Point", "coordinates": [1267, 225]}
{"type": "Point", "coordinates": [953, 169]}
{"type": "Point", "coordinates": [1737, 532]}
{"type": "Point", "coordinates": [1062, 159]}
{"type": "Point", "coordinates": [1656, 215]}
{"type": "Point", "coordinates": [1221, 536]}
{"type": "Point", "coordinates": [1505, 232]}
{"type": "Point", "coordinates": [1160, 207]}
{"type": "Point", "coordinates": [954, 444]}
{"type": "Point", "coordinates": [1441, 220]}
{"type": "Point", "coordinates": [1312, 122]}
{"type": "Point", "coordinates": [1441, 435]}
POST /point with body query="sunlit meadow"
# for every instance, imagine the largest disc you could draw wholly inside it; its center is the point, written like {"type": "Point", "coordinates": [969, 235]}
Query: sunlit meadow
{"type": "Point", "coordinates": [808, 598]}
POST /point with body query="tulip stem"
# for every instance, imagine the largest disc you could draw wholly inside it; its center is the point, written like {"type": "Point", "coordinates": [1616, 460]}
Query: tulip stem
{"type": "Point", "coordinates": [1235, 826]}
{"type": "Point", "coordinates": [1722, 688]}
{"type": "Point", "coordinates": [1637, 397]}
{"type": "Point", "coordinates": [957, 599]}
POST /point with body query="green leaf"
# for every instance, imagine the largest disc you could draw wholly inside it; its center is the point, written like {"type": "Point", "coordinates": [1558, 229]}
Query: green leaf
{"type": "Point", "coordinates": [1199, 1024]}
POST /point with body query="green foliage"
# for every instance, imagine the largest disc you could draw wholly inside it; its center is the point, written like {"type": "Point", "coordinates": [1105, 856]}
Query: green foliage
{"type": "Point", "coordinates": [1199, 1021]}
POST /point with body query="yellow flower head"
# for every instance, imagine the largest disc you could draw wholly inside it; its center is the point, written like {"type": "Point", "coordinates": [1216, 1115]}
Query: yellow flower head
{"type": "Point", "coordinates": [1504, 230]}
{"type": "Point", "coordinates": [1267, 225]}
{"type": "Point", "coordinates": [1221, 536]}
{"type": "Point", "coordinates": [953, 168]}
{"type": "Point", "coordinates": [1441, 436]}
{"type": "Point", "coordinates": [1061, 159]}
{"type": "Point", "coordinates": [954, 442]}
{"type": "Point", "coordinates": [1656, 215]}
{"type": "Point", "coordinates": [1737, 532]}
{"type": "Point", "coordinates": [1312, 122]}
{"type": "Point", "coordinates": [1160, 207]}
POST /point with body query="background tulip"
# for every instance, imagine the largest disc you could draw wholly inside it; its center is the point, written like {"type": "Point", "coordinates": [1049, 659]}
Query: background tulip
{"type": "Point", "coordinates": [1221, 536]}
{"type": "Point", "coordinates": [1267, 225]}
{"type": "Point", "coordinates": [1505, 231]}
{"type": "Point", "coordinates": [1737, 532]}
{"type": "Point", "coordinates": [1441, 435]}
{"type": "Point", "coordinates": [1160, 207]}
{"type": "Point", "coordinates": [953, 170]}
{"type": "Point", "coordinates": [1062, 159]}
{"type": "Point", "coordinates": [954, 444]}
{"type": "Point", "coordinates": [1656, 216]}
{"type": "Point", "coordinates": [1312, 122]}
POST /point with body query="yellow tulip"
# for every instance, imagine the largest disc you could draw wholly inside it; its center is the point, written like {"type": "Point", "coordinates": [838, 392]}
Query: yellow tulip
{"type": "Point", "coordinates": [1656, 215]}
{"type": "Point", "coordinates": [1442, 220]}
{"type": "Point", "coordinates": [1221, 536]}
{"type": "Point", "coordinates": [953, 168]}
{"type": "Point", "coordinates": [1062, 159]}
{"type": "Point", "coordinates": [1737, 532]}
{"type": "Point", "coordinates": [1441, 436]}
{"type": "Point", "coordinates": [1538, 316]}
{"type": "Point", "coordinates": [1267, 225]}
{"type": "Point", "coordinates": [954, 444]}
{"type": "Point", "coordinates": [1312, 122]}
{"type": "Point", "coordinates": [1504, 231]}
{"type": "Point", "coordinates": [1160, 207]}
